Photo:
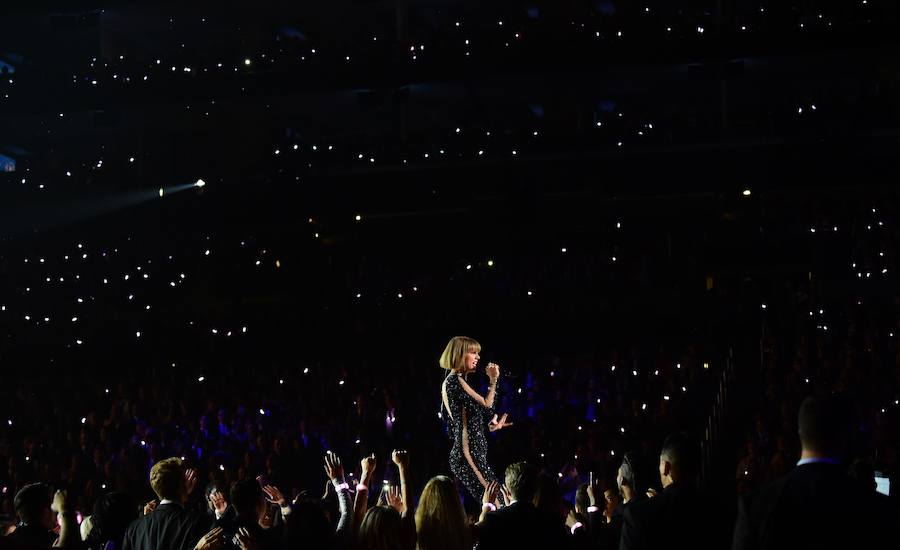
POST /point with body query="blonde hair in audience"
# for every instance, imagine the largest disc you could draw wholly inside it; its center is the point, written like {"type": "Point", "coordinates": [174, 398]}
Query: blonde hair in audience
{"type": "Point", "coordinates": [441, 522]}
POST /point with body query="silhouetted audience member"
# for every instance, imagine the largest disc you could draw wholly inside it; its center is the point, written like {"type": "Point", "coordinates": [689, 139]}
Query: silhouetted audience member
{"type": "Point", "coordinates": [170, 525]}
{"type": "Point", "coordinates": [113, 513]}
{"type": "Point", "coordinates": [797, 510]}
{"type": "Point", "coordinates": [36, 520]}
{"type": "Point", "coordinates": [680, 516]}
{"type": "Point", "coordinates": [519, 524]}
{"type": "Point", "coordinates": [249, 504]}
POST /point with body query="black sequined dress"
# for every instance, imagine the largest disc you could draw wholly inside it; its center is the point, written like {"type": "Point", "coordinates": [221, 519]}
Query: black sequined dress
{"type": "Point", "coordinates": [467, 423]}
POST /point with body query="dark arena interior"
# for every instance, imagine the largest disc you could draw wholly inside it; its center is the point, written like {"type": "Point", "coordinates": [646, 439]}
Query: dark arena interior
{"type": "Point", "coordinates": [236, 237]}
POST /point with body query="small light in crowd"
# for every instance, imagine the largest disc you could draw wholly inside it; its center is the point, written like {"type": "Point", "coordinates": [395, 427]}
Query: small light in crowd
{"type": "Point", "coordinates": [705, 365]}
{"type": "Point", "coordinates": [262, 411]}
{"type": "Point", "coordinates": [683, 388]}
{"type": "Point", "coordinates": [138, 334]}
{"type": "Point", "coordinates": [200, 183]}
{"type": "Point", "coordinates": [678, 366]}
{"type": "Point", "coordinates": [143, 443]}
{"type": "Point", "coordinates": [643, 406]}
{"type": "Point", "coordinates": [468, 266]}
{"type": "Point", "coordinates": [103, 485]}
{"type": "Point", "coordinates": [634, 372]}
{"type": "Point", "coordinates": [306, 370]}
{"type": "Point", "coordinates": [358, 217]}
{"type": "Point", "coordinates": [763, 306]}
{"type": "Point", "coordinates": [357, 441]}
{"type": "Point", "coordinates": [530, 293]}
{"type": "Point", "coordinates": [563, 250]}
{"type": "Point", "coordinates": [560, 474]}
{"type": "Point", "coordinates": [83, 420]}
{"type": "Point", "coordinates": [201, 379]}
{"type": "Point", "coordinates": [161, 192]}
{"type": "Point", "coordinates": [579, 428]}
{"type": "Point", "coordinates": [340, 383]}
{"type": "Point", "coordinates": [106, 390]}
{"type": "Point", "coordinates": [222, 467]}
{"type": "Point", "coordinates": [666, 397]}
{"type": "Point", "coordinates": [490, 263]}
{"type": "Point", "coordinates": [281, 381]}
{"type": "Point", "coordinates": [746, 192]}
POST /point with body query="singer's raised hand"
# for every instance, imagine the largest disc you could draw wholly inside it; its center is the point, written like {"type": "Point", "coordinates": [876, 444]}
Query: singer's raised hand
{"type": "Point", "coordinates": [495, 424]}
{"type": "Point", "coordinates": [493, 372]}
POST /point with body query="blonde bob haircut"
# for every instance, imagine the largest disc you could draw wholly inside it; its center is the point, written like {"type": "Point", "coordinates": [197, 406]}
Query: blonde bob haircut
{"type": "Point", "coordinates": [454, 356]}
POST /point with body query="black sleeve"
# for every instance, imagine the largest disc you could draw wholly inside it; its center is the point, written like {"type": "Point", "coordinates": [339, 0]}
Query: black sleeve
{"type": "Point", "coordinates": [743, 532]}
{"type": "Point", "coordinates": [631, 538]}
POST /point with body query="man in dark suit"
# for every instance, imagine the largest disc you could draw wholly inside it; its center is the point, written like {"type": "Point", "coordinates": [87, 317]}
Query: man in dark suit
{"type": "Point", "coordinates": [680, 516]}
{"type": "Point", "coordinates": [170, 526]}
{"type": "Point", "coordinates": [518, 524]}
{"type": "Point", "coordinates": [799, 511]}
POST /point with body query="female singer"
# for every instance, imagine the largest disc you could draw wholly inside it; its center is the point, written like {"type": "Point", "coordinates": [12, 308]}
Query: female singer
{"type": "Point", "coordinates": [468, 413]}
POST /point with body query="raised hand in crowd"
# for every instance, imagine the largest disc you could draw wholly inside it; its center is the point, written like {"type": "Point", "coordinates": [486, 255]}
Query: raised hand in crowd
{"type": "Point", "coordinates": [150, 506]}
{"type": "Point", "coordinates": [245, 541]}
{"type": "Point", "coordinates": [219, 504]}
{"type": "Point", "coordinates": [333, 468]}
{"type": "Point", "coordinates": [361, 502]}
{"type": "Point", "coordinates": [489, 499]}
{"type": "Point", "coordinates": [190, 483]}
{"type": "Point", "coordinates": [394, 499]}
{"type": "Point", "coordinates": [401, 459]}
{"type": "Point", "coordinates": [274, 495]}
{"type": "Point", "coordinates": [211, 541]}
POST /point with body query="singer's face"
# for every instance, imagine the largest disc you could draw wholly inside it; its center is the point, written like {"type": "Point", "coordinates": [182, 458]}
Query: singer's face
{"type": "Point", "coordinates": [472, 358]}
